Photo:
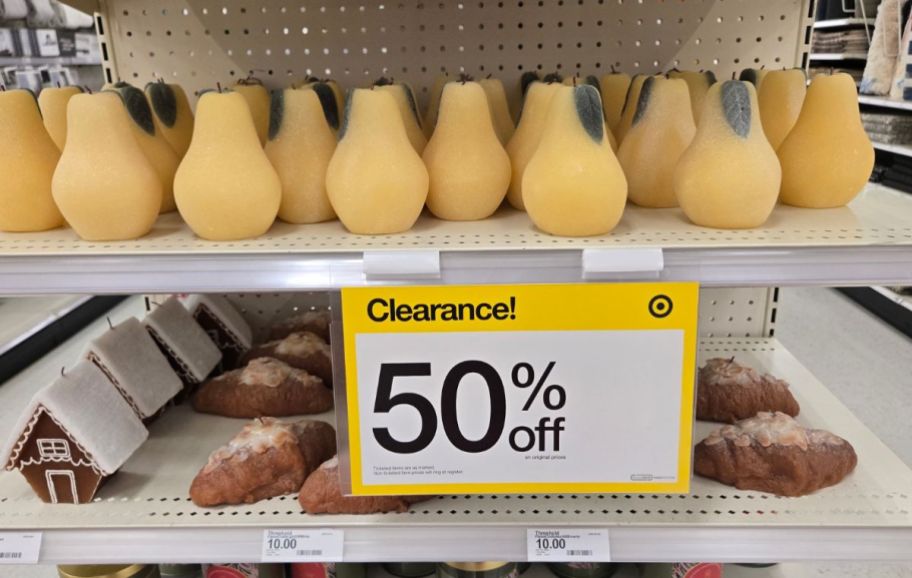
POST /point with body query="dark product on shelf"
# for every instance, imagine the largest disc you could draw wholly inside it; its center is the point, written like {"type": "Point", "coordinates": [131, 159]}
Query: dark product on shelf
{"type": "Point", "coordinates": [327, 570]}
{"type": "Point", "coordinates": [180, 570]}
{"type": "Point", "coordinates": [410, 569]}
{"type": "Point", "coordinates": [774, 453]}
{"type": "Point", "coordinates": [303, 350]}
{"type": "Point", "coordinates": [73, 434]}
{"type": "Point", "coordinates": [583, 569]}
{"type": "Point", "coordinates": [267, 458]}
{"type": "Point", "coordinates": [322, 494]}
{"type": "Point", "coordinates": [109, 571]}
{"type": "Point", "coordinates": [189, 350]}
{"type": "Point", "coordinates": [243, 571]}
{"type": "Point", "coordinates": [312, 321]}
{"type": "Point", "coordinates": [136, 367]}
{"type": "Point", "coordinates": [224, 324]}
{"type": "Point", "coordinates": [477, 570]}
{"type": "Point", "coordinates": [265, 388]}
{"type": "Point", "coordinates": [682, 570]}
{"type": "Point", "coordinates": [523, 566]}
{"type": "Point", "coordinates": [728, 391]}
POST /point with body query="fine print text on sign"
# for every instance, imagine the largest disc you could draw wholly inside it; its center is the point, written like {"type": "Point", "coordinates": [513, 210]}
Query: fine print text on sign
{"type": "Point", "coordinates": [515, 389]}
{"type": "Point", "coordinates": [303, 545]}
{"type": "Point", "coordinates": [567, 545]}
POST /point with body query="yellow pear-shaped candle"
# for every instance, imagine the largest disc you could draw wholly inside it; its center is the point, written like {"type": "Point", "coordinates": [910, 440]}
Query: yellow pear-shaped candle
{"type": "Point", "coordinates": [104, 184]}
{"type": "Point", "coordinates": [527, 136]}
{"type": "Point", "coordinates": [258, 100]}
{"type": "Point", "coordinates": [53, 103]}
{"type": "Point", "coordinates": [226, 188]}
{"type": "Point", "coordinates": [302, 139]}
{"type": "Point", "coordinates": [173, 115]}
{"type": "Point", "coordinates": [613, 88]}
{"type": "Point", "coordinates": [698, 84]}
{"type": "Point", "coordinates": [729, 176]}
{"type": "Point", "coordinates": [661, 131]}
{"type": "Point", "coordinates": [468, 167]}
{"type": "Point", "coordinates": [408, 110]}
{"type": "Point", "coordinates": [376, 181]}
{"type": "Point", "coordinates": [827, 157]}
{"type": "Point", "coordinates": [161, 156]}
{"type": "Point", "coordinates": [574, 185]}
{"type": "Point", "coordinates": [27, 165]}
{"type": "Point", "coordinates": [781, 96]}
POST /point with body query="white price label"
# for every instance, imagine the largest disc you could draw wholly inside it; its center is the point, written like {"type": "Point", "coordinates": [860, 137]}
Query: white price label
{"type": "Point", "coordinates": [564, 545]}
{"type": "Point", "coordinates": [303, 545]}
{"type": "Point", "coordinates": [20, 548]}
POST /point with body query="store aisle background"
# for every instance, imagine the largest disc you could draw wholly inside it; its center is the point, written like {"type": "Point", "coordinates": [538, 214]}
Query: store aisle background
{"type": "Point", "coordinates": [865, 363]}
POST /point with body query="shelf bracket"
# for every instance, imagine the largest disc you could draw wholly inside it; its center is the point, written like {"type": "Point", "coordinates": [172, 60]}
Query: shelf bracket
{"type": "Point", "coordinates": [402, 265]}
{"type": "Point", "coordinates": [621, 264]}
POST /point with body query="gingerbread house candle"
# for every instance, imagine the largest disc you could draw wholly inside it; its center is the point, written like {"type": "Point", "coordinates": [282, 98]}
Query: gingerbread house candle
{"type": "Point", "coordinates": [224, 324]}
{"type": "Point", "coordinates": [189, 350]}
{"type": "Point", "coordinates": [136, 368]}
{"type": "Point", "coordinates": [74, 433]}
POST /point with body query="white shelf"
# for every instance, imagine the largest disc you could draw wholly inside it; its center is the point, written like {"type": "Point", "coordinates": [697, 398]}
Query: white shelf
{"type": "Point", "coordinates": [48, 61]}
{"type": "Point", "coordinates": [144, 514]}
{"type": "Point", "coordinates": [842, 23]}
{"type": "Point", "coordinates": [904, 300]}
{"type": "Point", "coordinates": [885, 102]}
{"type": "Point", "coordinates": [841, 56]}
{"type": "Point", "coordinates": [24, 317]}
{"type": "Point", "coordinates": [867, 242]}
{"type": "Point", "coordinates": [902, 150]}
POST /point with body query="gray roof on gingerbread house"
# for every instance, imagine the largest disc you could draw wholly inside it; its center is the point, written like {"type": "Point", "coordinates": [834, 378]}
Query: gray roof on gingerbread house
{"type": "Point", "coordinates": [94, 416]}
{"type": "Point", "coordinates": [229, 317]}
{"type": "Point", "coordinates": [136, 366]}
{"type": "Point", "coordinates": [184, 338]}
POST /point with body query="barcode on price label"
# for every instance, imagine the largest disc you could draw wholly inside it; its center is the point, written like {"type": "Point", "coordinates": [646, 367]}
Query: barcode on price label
{"type": "Point", "coordinates": [322, 545]}
{"type": "Point", "coordinates": [567, 545]}
{"type": "Point", "coordinates": [20, 548]}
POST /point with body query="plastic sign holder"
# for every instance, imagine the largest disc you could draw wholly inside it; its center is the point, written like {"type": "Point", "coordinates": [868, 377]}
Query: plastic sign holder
{"type": "Point", "coordinates": [584, 388]}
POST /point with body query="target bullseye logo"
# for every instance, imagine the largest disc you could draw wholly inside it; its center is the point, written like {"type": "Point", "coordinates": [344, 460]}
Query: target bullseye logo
{"type": "Point", "coordinates": [660, 306]}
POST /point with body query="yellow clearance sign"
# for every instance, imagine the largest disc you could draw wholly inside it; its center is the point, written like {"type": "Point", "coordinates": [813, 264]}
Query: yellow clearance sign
{"type": "Point", "coordinates": [519, 389]}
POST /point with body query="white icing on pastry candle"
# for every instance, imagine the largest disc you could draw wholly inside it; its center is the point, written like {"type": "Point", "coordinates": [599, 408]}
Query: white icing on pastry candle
{"type": "Point", "coordinates": [256, 438]}
{"type": "Point", "coordinates": [768, 429]}
{"type": "Point", "coordinates": [727, 372]}
{"type": "Point", "coordinates": [265, 371]}
{"type": "Point", "coordinates": [303, 343]}
{"type": "Point", "coordinates": [315, 318]}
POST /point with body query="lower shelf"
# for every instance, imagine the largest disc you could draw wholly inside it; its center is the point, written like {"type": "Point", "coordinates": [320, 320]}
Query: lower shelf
{"type": "Point", "coordinates": [144, 514]}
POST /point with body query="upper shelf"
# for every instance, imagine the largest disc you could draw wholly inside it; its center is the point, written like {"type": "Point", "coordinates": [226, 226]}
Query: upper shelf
{"type": "Point", "coordinates": [868, 242]}
{"type": "Point", "coordinates": [838, 56]}
{"type": "Point", "coordinates": [843, 23]}
{"type": "Point", "coordinates": [885, 102]}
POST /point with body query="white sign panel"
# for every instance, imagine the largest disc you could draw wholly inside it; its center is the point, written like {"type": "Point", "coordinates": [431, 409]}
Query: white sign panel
{"type": "Point", "coordinates": [508, 407]}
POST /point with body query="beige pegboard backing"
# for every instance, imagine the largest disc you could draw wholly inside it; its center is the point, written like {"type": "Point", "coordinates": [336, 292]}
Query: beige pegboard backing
{"type": "Point", "coordinates": [743, 312]}
{"type": "Point", "coordinates": [201, 42]}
